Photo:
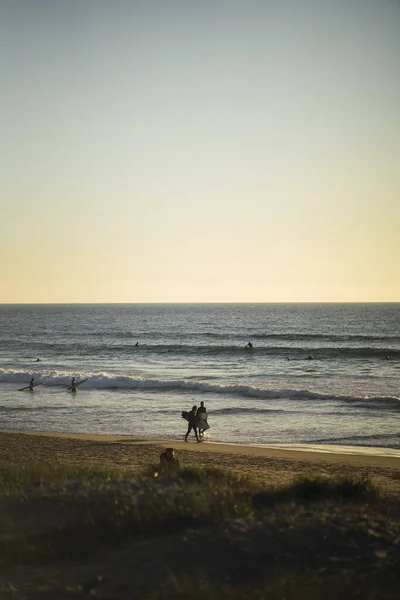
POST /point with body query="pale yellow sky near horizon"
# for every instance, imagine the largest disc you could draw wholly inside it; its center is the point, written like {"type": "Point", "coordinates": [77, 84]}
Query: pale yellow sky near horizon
{"type": "Point", "coordinates": [215, 152]}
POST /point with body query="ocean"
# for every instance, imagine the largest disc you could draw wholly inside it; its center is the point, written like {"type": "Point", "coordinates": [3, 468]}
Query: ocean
{"type": "Point", "coordinates": [346, 396]}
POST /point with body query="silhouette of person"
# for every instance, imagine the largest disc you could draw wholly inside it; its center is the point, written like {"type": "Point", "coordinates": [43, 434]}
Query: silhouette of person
{"type": "Point", "coordinates": [168, 461]}
{"type": "Point", "coordinates": [202, 414]}
{"type": "Point", "coordinates": [191, 424]}
{"type": "Point", "coordinates": [249, 345]}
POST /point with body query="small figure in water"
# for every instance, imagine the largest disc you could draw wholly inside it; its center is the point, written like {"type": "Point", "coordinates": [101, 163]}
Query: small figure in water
{"type": "Point", "coordinates": [191, 424]}
{"type": "Point", "coordinates": [32, 384]}
{"type": "Point", "coordinates": [310, 357]}
{"type": "Point", "coordinates": [202, 414]}
{"type": "Point", "coordinates": [249, 345]}
{"type": "Point", "coordinates": [137, 344]}
{"type": "Point", "coordinates": [388, 357]}
{"type": "Point", "coordinates": [37, 360]}
{"type": "Point", "coordinates": [73, 385]}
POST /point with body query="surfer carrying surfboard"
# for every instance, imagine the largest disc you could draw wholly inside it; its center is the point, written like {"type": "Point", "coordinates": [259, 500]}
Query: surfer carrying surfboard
{"type": "Point", "coordinates": [73, 387]}
{"type": "Point", "coordinates": [202, 414]}
{"type": "Point", "coordinates": [191, 417]}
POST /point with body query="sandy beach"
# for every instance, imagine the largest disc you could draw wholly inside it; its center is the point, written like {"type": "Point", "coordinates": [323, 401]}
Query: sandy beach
{"type": "Point", "coordinates": [108, 533]}
{"type": "Point", "coordinates": [268, 464]}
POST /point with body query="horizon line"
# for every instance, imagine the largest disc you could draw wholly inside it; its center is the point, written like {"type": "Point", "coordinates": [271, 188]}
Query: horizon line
{"type": "Point", "coordinates": [202, 303]}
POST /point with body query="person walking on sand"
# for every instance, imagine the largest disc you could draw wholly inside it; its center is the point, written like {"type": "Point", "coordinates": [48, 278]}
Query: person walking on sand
{"type": "Point", "coordinates": [202, 414]}
{"type": "Point", "coordinates": [191, 425]}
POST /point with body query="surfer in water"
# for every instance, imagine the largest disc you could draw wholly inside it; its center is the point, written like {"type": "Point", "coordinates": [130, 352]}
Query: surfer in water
{"type": "Point", "coordinates": [202, 414]}
{"type": "Point", "coordinates": [191, 424]}
{"type": "Point", "coordinates": [32, 384]}
{"type": "Point", "coordinates": [73, 384]}
{"type": "Point", "coordinates": [249, 345]}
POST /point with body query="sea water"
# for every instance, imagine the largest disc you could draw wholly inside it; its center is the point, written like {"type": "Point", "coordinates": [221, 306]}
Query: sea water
{"type": "Point", "coordinates": [347, 395]}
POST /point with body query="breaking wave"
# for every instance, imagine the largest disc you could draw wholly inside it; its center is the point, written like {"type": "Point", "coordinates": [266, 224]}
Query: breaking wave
{"type": "Point", "coordinates": [111, 381]}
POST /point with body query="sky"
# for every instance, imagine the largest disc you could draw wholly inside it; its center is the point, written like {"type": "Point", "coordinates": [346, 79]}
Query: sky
{"type": "Point", "coordinates": [213, 151]}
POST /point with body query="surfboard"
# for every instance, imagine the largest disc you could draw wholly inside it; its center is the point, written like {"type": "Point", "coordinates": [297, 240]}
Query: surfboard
{"type": "Point", "coordinates": [77, 383]}
{"type": "Point", "coordinates": [197, 421]}
{"type": "Point", "coordinates": [28, 387]}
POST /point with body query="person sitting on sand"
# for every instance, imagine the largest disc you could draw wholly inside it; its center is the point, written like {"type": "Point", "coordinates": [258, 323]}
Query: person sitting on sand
{"type": "Point", "coordinates": [191, 425]}
{"type": "Point", "coordinates": [32, 384]}
{"type": "Point", "coordinates": [202, 414]}
{"type": "Point", "coordinates": [168, 462]}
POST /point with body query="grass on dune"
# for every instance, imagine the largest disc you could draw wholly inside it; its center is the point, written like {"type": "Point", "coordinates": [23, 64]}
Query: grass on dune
{"type": "Point", "coordinates": [98, 508]}
{"type": "Point", "coordinates": [62, 513]}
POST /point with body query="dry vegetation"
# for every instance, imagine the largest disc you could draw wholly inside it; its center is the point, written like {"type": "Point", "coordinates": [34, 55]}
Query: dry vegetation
{"type": "Point", "coordinates": [74, 531]}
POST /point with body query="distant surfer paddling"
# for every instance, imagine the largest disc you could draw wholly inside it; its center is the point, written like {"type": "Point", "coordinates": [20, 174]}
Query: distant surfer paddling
{"type": "Point", "coordinates": [249, 345]}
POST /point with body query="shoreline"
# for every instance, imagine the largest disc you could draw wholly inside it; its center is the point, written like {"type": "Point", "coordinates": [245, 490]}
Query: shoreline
{"type": "Point", "coordinates": [351, 455]}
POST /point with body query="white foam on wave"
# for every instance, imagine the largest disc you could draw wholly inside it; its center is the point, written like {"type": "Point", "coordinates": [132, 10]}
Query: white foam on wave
{"type": "Point", "coordinates": [113, 381]}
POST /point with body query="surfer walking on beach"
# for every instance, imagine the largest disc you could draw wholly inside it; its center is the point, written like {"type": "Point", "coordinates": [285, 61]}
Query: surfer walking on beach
{"type": "Point", "coordinates": [192, 415]}
{"type": "Point", "coordinates": [202, 414]}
